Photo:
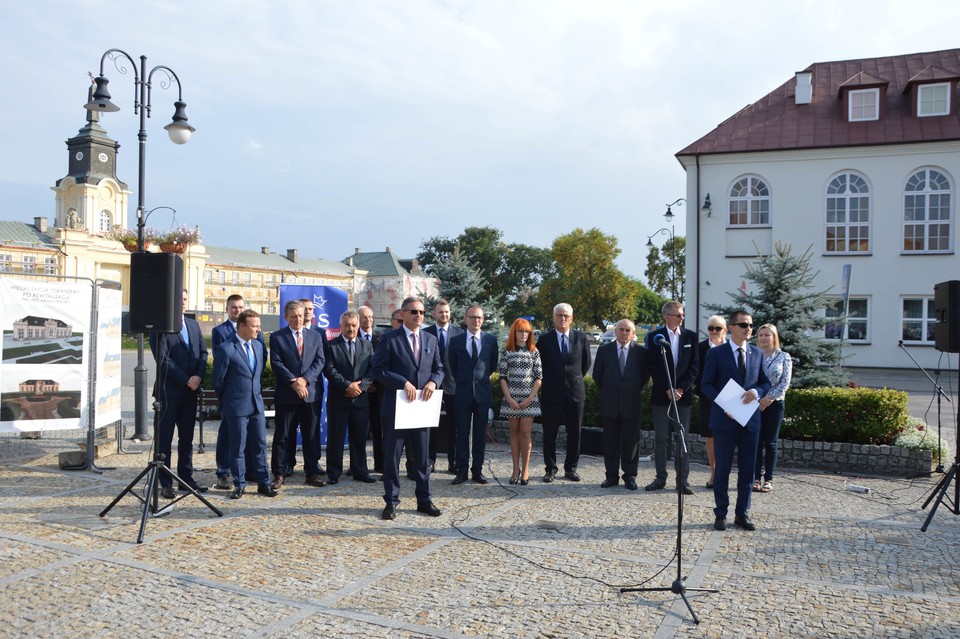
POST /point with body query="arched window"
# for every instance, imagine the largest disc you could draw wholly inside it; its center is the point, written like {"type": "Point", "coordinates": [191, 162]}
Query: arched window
{"type": "Point", "coordinates": [927, 201]}
{"type": "Point", "coordinates": [848, 215]}
{"type": "Point", "coordinates": [106, 222]}
{"type": "Point", "coordinates": [749, 202]}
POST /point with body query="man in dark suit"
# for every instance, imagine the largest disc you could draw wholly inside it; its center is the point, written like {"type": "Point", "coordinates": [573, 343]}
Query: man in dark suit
{"type": "Point", "coordinates": [679, 345]}
{"type": "Point", "coordinates": [621, 372]}
{"type": "Point", "coordinates": [296, 356]}
{"type": "Point", "coordinates": [473, 357]}
{"type": "Point", "coordinates": [372, 336]}
{"type": "Point", "coordinates": [443, 330]}
{"type": "Point", "coordinates": [222, 333]}
{"type": "Point", "coordinates": [742, 363]}
{"type": "Point", "coordinates": [237, 367]}
{"type": "Point", "coordinates": [407, 360]}
{"type": "Point", "coordinates": [347, 367]}
{"type": "Point", "coordinates": [181, 363]}
{"type": "Point", "coordinates": [565, 356]}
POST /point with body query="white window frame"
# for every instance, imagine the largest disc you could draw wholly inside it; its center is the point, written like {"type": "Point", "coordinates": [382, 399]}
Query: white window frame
{"type": "Point", "coordinates": [749, 196]}
{"type": "Point", "coordinates": [860, 103]}
{"type": "Point", "coordinates": [926, 320]}
{"type": "Point", "coordinates": [927, 104]}
{"type": "Point", "coordinates": [208, 277]}
{"type": "Point", "coordinates": [929, 209]}
{"type": "Point", "coordinates": [847, 227]}
{"type": "Point", "coordinates": [856, 324]}
{"type": "Point", "coordinates": [6, 262]}
{"type": "Point", "coordinates": [28, 264]}
{"type": "Point", "coordinates": [50, 266]}
{"type": "Point", "coordinates": [106, 222]}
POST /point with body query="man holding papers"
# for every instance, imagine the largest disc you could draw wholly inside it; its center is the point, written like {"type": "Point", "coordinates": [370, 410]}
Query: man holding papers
{"type": "Point", "coordinates": [741, 364]}
{"type": "Point", "coordinates": [408, 360]}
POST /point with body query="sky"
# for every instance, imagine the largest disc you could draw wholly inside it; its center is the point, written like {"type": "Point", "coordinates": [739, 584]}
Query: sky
{"type": "Point", "coordinates": [329, 126]}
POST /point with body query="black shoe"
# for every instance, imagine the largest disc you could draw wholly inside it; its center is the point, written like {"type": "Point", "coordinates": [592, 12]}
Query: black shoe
{"type": "Point", "coordinates": [224, 483]}
{"type": "Point", "coordinates": [686, 490]}
{"type": "Point", "coordinates": [367, 479]}
{"type": "Point", "coordinates": [656, 484]}
{"type": "Point", "coordinates": [167, 492]}
{"type": "Point", "coordinates": [479, 479]}
{"type": "Point", "coordinates": [720, 523]}
{"type": "Point", "coordinates": [524, 482]}
{"type": "Point", "coordinates": [514, 480]}
{"type": "Point", "coordinates": [389, 512]}
{"type": "Point", "coordinates": [195, 486]}
{"type": "Point", "coordinates": [317, 481]}
{"type": "Point", "coordinates": [571, 475]}
{"type": "Point", "coordinates": [459, 479]}
{"type": "Point", "coordinates": [267, 491]}
{"type": "Point", "coordinates": [630, 483]}
{"type": "Point", "coordinates": [237, 493]}
{"type": "Point", "coordinates": [332, 481]}
{"type": "Point", "coordinates": [609, 483]}
{"type": "Point", "coordinates": [743, 522]}
{"type": "Point", "coordinates": [428, 508]}
{"type": "Point", "coordinates": [548, 477]}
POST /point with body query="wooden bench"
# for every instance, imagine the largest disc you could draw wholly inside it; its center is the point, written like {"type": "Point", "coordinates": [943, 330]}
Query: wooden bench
{"type": "Point", "coordinates": [208, 408]}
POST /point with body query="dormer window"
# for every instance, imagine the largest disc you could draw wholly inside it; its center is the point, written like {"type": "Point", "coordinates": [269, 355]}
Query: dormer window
{"type": "Point", "coordinates": [933, 99]}
{"type": "Point", "coordinates": [864, 105]}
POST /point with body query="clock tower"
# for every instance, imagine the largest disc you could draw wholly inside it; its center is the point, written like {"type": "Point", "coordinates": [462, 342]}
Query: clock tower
{"type": "Point", "coordinates": [91, 198]}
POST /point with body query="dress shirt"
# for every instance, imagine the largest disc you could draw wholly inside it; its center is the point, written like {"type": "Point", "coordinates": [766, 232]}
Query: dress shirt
{"type": "Point", "coordinates": [474, 343]}
{"type": "Point", "coordinates": [736, 354]}
{"type": "Point", "coordinates": [674, 344]}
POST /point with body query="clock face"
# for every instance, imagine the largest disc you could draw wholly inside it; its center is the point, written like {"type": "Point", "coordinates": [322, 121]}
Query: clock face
{"type": "Point", "coordinates": [79, 155]}
{"type": "Point", "coordinates": [102, 157]}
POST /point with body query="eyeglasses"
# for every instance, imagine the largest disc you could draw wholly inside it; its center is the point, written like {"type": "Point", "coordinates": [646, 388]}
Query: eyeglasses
{"type": "Point", "coordinates": [715, 329]}
{"type": "Point", "coordinates": [742, 324]}
{"type": "Point", "coordinates": [414, 311]}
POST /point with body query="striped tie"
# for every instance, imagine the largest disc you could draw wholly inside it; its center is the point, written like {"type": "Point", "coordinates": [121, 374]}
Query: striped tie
{"type": "Point", "coordinates": [299, 344]}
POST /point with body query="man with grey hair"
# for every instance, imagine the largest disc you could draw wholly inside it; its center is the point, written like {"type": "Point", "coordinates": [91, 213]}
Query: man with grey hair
{"type": "Point", "coordinates": [565, 356]}
{"type": "Point", "coordinates": [621, 372]}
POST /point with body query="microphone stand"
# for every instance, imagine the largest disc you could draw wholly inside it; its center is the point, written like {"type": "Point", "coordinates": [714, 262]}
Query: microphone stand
{"type": "Point", "coordinates": [679, 586]}
{"type": "Point", "coordinates": [940, 394]}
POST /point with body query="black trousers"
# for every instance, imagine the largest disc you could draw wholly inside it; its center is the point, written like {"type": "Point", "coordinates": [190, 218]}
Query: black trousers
{"type": "Point", "coordinates": [284, 454]}
{"type": "Point", "coordinates": [343, 421]}
{"type": "Point", "coordinates": [621, 446]}
{"type": "Point", "coordinates": [570, 414]}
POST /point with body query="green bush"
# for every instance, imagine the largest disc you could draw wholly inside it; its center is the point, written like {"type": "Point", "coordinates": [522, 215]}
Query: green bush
{"type": "Point", "coordinates": [918, 436]}
{"type": "Point", "coordinates": [840, 414]}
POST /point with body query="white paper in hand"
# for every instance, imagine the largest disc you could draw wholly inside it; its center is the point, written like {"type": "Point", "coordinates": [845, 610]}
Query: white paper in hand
{"type": "Point", "coordinates": [730, 400]}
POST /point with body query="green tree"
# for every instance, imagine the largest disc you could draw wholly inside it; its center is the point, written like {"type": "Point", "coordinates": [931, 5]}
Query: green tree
{"type": "Point", "coordinates": [648, 306]}
{"type": "Point", "coordinates": [462, 285]}
{"type": "Point", "coordinates": [784, 297]}
{"type": "Point", "coordinates": [588, 279]}
{"type": "Point", "coordinates": [660, 267]}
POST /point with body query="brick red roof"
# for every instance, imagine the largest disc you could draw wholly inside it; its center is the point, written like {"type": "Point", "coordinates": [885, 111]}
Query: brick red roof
{"type": "Point", "coordinates": [776, 123]}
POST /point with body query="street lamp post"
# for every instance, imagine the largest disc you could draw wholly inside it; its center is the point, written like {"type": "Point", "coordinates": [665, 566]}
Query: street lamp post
{"type": "Point", "coordinates": [179, 131]}
{"type": "Point", "coordinates": [673, 244]}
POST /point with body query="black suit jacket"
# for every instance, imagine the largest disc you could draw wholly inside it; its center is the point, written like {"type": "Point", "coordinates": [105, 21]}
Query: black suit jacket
{"type": "Point", "coordinates": [177, 362]}
{"type": "Point", "coordinates": [620, 392]}
{"type": "Point", "coordinates": [340, 373]}
{"type": "Point", "coordinates": [449, 383]}
{"type": "Point", "coordinates": [563, 380]}
{"type": "Point", "coordinates": [685, 374]}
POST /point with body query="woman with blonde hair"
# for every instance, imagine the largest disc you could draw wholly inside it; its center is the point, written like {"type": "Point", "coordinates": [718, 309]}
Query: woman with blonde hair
{"type": "Point", "coordinates": [779, 368]}
{"type": "Point", "coordinates": [520, 377]}
{"type": "Point", "coordinates": [716, 335]}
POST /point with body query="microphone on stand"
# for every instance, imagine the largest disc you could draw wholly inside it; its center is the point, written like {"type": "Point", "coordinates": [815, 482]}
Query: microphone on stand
{"type": "Point", "coordinates": [659, 340]}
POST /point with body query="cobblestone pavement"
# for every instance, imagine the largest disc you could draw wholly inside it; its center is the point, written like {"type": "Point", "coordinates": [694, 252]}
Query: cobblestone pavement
{"type": "Point", "coordinates": [543, 560]}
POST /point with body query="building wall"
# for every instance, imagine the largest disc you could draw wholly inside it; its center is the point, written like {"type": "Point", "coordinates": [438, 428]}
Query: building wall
{"type": "Point", "coordinates": [798, 183]}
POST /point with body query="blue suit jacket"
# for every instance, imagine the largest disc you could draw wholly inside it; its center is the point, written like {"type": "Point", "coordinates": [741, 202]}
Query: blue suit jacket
{"type": "Point", "coordinates": [472, 380]}
{"type": "Point", "coordinates": [287, 364]}
{"type": "Point", "coordinates": [721, 367]}
{"type": "Point", "coordinates": [340, 373]}
{"type": "Point", "coordinates": [394, 366]}
{"type": "Point", "coordinates": [177, 362]}
{"type": "Point", "coordinates": [223, 332]}
{"type": "Point", "coordinates": [236, 385]}
{"type": "Point", "coordinates": [449, 383]}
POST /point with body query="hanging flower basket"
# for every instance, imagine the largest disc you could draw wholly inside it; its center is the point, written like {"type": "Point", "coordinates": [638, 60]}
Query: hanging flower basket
{"type": "Point", "coordinates": [174, 247]}
{"type": "Point", "coordinates": [179, 239]}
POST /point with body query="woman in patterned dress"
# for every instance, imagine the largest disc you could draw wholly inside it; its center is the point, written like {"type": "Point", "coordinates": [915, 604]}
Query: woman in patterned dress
{"type": "Point", "coordinates": [520, 377]}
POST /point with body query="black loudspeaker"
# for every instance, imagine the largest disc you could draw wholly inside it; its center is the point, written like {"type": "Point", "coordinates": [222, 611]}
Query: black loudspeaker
{"type": "Point", "coordinates": [156, 292]}
{"type": "Point", "coordinates": [946, 305]}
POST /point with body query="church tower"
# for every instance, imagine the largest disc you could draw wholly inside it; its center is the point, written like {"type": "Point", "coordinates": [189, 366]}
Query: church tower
{"type": "Point", "coordinates": [91, 198]}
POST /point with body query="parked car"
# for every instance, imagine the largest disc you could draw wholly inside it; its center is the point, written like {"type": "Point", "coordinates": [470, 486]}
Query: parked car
{"type": "Point", "coordinates": [608, 337]}
{"type": "Point", "coordinates": [595, 337]}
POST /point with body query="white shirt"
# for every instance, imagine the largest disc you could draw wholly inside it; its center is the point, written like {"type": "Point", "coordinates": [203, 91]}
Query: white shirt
{"type": "Point", "coordinates": [470, 337]}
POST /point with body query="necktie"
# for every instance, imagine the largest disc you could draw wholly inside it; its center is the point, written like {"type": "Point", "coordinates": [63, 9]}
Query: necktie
{"type": "Point", "coordinates": [299, 344]}
{"type": "Point", "coordinates": [476, 348]}
{"type": "Point", "coordinates": [367, 337]}
{"type": "Point", "coordinates": [250, 359]}
{"type": "Point", "coordinates": [416, 347]}
{"type": "Point", "coordinates": [563, 347]}
{"type": "Point", "coordinates": [350, 350]}
{"type": "Point", "coordinates": [442, 338]}
{"type": "Point", "coordinates": [623, 358]}
{"type": "Point", "coordinates": [184, 334]}
{"type": "Point", "coordinates": [742, 365]}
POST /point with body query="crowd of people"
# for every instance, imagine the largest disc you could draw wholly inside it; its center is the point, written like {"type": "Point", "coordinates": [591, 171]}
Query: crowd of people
{"type": "Point", "coordinates": [370, 372]}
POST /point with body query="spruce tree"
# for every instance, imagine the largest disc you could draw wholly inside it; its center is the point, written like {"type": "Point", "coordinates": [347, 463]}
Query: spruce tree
{"type": "Point", "coordinates": [783, 295]}
{"type": "Point", "coordinates": [463, 285]}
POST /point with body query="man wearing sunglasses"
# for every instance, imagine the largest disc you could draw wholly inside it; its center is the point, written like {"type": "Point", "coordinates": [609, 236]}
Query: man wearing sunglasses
{"type": "Point", "coordinates": [741, 362]}
{"type": "Point", "coordinates": [671, 381]}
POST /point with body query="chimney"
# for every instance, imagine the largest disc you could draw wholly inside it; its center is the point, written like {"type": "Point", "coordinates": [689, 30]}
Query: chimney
{"type": "Point", "coordinates": [415, 266]}
{"type": "Point", "coordinates": [356, 250]}
{"type": "Point", "coordinates": [265, 250]}
{"type": "Point", "coordinates": [350, 261]}
{"type": "Point", "coordinates": [804, 91]}
{"type": "Point", "coordinates": [388, 250]}
{"type": "Point", "coordinates": [40, 223]}
{"type": "Point", "coordinates": [292, 255]}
